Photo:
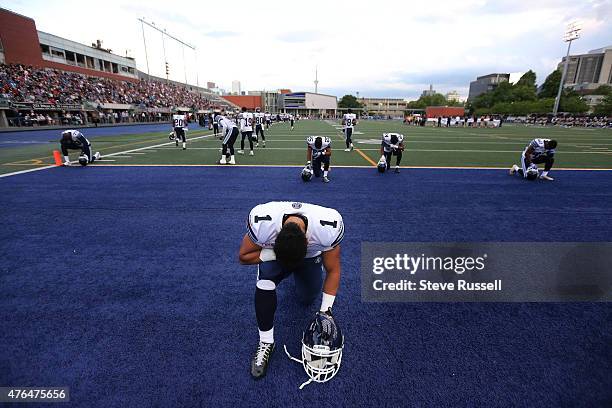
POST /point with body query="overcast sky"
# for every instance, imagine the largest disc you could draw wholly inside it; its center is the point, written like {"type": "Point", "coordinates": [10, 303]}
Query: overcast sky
{"type": "Point", "coordinates": [376, 48]}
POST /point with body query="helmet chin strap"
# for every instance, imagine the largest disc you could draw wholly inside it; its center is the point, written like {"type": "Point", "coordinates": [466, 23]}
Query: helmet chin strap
{"type": "Point", "coordinates": [306, 383]}
{"type": "Point", "coordinates": [298, 361]}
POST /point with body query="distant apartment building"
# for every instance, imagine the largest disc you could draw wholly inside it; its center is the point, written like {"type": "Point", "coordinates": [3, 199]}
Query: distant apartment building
{"type": "Point", "coordinates": [236, 88]}
{"type": "Point", "coordinates": [428, 92]}
{"type": "Point", "coordinates": [394, 107]}
{"type": "Point", "coordinates": [486, 83]}
{"type": "Point", "coordinates": [590, 70]}
{"type": "Point", "coordinates": [453, 96]}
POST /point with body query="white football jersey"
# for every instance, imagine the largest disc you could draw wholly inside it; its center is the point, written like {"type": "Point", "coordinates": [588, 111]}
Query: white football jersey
{"type": "Point", "coordinates": [246, 122]}
{"type": "Point", "coordinates": [267, 116]}
{"type": "Point", "coordinates": [324, 229]}
{"type": "Point", "coordinates": [179, 121]}
{"type": "Point", "coordinates": [538, 147]}
{"type": "Point", "coordinates": [75, 135]}
{"type": "Point", "coordinates": [259, 118]}
{"type": "Point", "coordinates": [225, 122]}
{"type": "Point", "coordinates": [349, 120]}
{"type": "Point", "coordinates": [386, 141]}
{"type": "Point", "coordinates": [326, 142]}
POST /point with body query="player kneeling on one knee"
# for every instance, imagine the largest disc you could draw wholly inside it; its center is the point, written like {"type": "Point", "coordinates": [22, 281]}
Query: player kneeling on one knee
{"type": "Point", "coordinates": [538, 151]}
{"type": "Point", "coordinates": [318, 156]}
{"type": "Point", "coordinates": [74, 140]}
{"type": "Point", "coordinates": [288, 238]}
{"type": "Point", "coordinates": [392, 145]}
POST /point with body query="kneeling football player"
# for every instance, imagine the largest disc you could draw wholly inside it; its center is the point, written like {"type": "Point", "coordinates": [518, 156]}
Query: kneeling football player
{"type": "Point", "coordinates": [318, 155]}
{"type": "Point", "coordinates": [74, 140]}
{"type": "Point", "coordinates": [288, 238]}
{"type": "Point", "coordinates": [538, 151]}
{"type": "Point", "coordinates": [392, 145]}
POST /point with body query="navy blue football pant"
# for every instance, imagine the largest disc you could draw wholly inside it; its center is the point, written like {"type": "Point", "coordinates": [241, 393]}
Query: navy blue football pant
{"type": "Point", "coordinates": [397, 153]}
{"type": "Point", "coordinates": [259, 131]}
{"type": "Point", "coordinates": [84, 147]}
{"type": "Point", "coordinates": [348, 133]}
{"type": "Point", "coordinates": [548, 161]}
{"type": "Point", "coordinates": [249, 135]}
{"type": "Point", "coordinates": [308, 279]}
{"type": "Point", "coordinates": [316, 164]}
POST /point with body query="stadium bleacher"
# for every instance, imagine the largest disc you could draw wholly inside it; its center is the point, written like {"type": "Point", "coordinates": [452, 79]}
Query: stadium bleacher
{"type": "Point", "coordinates": [27, 84]}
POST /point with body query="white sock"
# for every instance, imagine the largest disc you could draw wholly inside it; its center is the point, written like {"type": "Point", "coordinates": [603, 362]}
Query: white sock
{"type": "Point", "coordinates": [267, 336]}
{"type": "Point", "coordinates": [544, 173]}
{"type": "Point", "coordinates": [324, 173]}
{"type": "Point", "coordinates": [184, 144]}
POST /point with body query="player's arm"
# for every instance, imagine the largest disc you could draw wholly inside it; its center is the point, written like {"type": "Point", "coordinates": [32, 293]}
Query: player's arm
{"type": "Point", "coordinates": [528, 154]}
{"type": "Point", "coordinates": [331, 262]}
{"type": "Point", "coordinates": [249, 251]}
{"type": "Point", "coordinates": [328, 151]}
{"type": "Point", "coordinates": [309, 154]}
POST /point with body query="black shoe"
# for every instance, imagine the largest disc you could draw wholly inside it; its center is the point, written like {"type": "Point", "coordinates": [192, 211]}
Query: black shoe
{"type": "Point", "coordinates": [176, 143]}
{"type": "Point", "coordinates": [261, 360]}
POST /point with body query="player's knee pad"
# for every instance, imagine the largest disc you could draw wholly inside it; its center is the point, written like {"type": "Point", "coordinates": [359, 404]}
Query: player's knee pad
{"type": "Point", "coordinates": [266, 284]}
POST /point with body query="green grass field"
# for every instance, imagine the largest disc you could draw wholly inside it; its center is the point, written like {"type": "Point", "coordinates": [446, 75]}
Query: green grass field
{"type": "Point", "coordinates": [425, 147]}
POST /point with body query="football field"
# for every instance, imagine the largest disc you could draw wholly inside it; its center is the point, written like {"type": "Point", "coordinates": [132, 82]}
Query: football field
{"type": "Point", "coordinates": [121, 279]}
{"type": "Point", "coordinates": [425, 146]}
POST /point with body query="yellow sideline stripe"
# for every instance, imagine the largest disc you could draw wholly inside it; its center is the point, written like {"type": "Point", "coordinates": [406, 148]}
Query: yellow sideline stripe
{"type": "Point", "coordinates": [365, 156]}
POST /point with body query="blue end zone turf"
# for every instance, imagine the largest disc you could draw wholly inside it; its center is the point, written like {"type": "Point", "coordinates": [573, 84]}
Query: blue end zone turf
{"type": "Point", "coordinates": [123, 283]}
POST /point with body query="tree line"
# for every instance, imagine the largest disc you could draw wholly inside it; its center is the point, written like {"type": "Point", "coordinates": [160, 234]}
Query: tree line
{"type": "Point", "coordinates": [521, 98]}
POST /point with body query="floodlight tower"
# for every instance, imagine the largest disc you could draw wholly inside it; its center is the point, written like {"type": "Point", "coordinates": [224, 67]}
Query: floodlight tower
{"type": "Point", "coordinates": [572, 33]}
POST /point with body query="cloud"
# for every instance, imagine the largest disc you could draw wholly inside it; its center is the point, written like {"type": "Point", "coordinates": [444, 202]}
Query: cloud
{"type": "Point", "coordinates": [299, 36]}
{"type": "Point", "coordinates": [389, 49]}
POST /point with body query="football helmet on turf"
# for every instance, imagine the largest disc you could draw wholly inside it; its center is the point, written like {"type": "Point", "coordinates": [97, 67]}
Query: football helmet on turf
{"type": "Point", "coordinates": [532, 172]}
{"type": "Point", "coordinates": [171, 136]}
{"type": "Point", "coordinates": [382, 165]}
{"type": "Point", "coordinates": [306, 173]}
{"type": "Point", "coordinates": [322, 345]}
{"type": "Point", "coordinates": [83, 160]}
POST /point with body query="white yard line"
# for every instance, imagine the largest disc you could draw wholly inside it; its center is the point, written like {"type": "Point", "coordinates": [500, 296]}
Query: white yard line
{"type": "Point", "coordinates": [15, 173]}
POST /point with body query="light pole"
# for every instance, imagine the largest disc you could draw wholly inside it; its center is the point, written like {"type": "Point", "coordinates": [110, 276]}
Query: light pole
{"type": "Point", "coordinates": [572, 33]}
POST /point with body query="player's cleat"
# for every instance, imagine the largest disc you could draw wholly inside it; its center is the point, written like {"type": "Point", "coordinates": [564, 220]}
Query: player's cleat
{"type": "Point", "coordinates": [222, 160]}
{"type": "Point", "coordinates": [397, 170]}
{"type": "Point", "coordinates": [97, 156]}
{"type": "Point", "coordinates": [67, 164]}
{"type": "Point", "coordinates": [513, 170]}
{"type": "Point", "coordinates": [176, 142]}
{"type": "Point", "coordinates": [240, 151]}
{"type": "Point", "coordinates": [256, 144]}
{"type": "Point", "coordinates": [263, 144]}
{"type": "Point", "coordinates": [546, 177]}
{"type": "Point", "coordinates": [325, 179]}
{"type": "Point", "coordinates": [232, 160]}
{"type": "Point", "coordinates": [347, 150]}
{"type": "Point", "coordinates": [261, 360]}
{"type": "Point", "coordinates": [251, 153]}
{"type": "Point", "coordinates": [352, 147]}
